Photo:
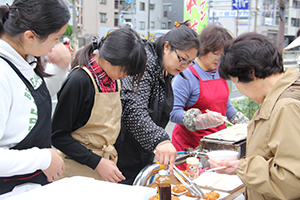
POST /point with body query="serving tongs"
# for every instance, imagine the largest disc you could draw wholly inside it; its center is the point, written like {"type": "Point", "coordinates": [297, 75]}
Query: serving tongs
{"type": "Point", "coordinates": [192, 187]}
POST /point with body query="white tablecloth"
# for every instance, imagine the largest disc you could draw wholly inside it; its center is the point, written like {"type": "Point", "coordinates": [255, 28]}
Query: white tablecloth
{"type": "Point", "coordinates": [85, 188]}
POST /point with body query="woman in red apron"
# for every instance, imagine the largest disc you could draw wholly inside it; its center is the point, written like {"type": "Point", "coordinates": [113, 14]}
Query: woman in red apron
{"type": "Point", "coordinates": [202, 90]}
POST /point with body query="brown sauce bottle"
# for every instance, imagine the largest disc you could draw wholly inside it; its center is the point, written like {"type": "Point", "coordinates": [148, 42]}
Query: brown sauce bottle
{"type": "Point", "coordinates": [163, 184]}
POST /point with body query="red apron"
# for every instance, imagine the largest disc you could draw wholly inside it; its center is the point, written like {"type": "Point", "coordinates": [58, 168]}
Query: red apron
{"type": "Point", "coordinates": [213, 96]}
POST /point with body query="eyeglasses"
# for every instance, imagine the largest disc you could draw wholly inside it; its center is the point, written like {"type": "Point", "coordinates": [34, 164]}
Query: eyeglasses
{"type": "Point", "coordinates": [182, 60]}
{"type": "Point", "coordinates": [215, 55]}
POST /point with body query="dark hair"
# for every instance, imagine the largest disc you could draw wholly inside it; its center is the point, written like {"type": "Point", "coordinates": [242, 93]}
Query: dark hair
{"type": "Point", "coordinates": [181, 37]}
{"type": "Point", "coordinates": [250, 55]}
{"type": "Point", "coordinates": [213, 38]}
{"type": "Point", "coordinates": [122, 47]}
{"type": "Point", "coordinates": [44, 17]}
{"type": "Point", "coordinates": [298, 33]}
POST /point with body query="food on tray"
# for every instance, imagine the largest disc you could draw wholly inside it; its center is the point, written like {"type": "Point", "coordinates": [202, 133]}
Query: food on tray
{"type": "Point", "coordinates": [155, 197]}
{"type": "Point", "coordinates": [189, 194]}
{"type": "Point", "coordinates": [208, 196]}
{"type": "Point", "coordinates": [179, 189]}
{"type": "Point", "coordinates": [233, 133]}
{"type": "Point", "coordinates": [211, 196]}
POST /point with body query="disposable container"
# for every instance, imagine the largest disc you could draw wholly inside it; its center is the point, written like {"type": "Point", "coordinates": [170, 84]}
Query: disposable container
{"type": "Point", "coordinates": [192, 167]}
{"type": "Point", "coordinates": [218, 155]}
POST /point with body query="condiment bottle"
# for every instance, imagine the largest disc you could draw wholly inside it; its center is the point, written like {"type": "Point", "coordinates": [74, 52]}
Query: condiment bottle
{"type": "Point", "coordinates": [192, 167]}
{"type": "Point", "coordinates": [163, 184]}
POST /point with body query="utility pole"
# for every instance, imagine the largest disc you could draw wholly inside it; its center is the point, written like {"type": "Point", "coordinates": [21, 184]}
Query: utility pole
{"type": "Point", "coordinates": [133, 14]}
{"type": "Point", "coordinates": [148, 19]}
{"type": "Point", "coordinates": [237, 22]}
{"type": "Point", "coordinates": [75, 29]}
{"type": "Point", "coordinates": [255, 14]}
{"type": "Point", "coordinates": [281, 24]}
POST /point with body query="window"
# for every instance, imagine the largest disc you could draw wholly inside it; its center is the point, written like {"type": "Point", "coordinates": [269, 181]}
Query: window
{"type": "Point", "coordinates": [165, 13]}
{"type": "Point", "coordinates": [103, 1]}
{"type": "Point", "coordinates": [296, 4]}
{"type": "Point", "coordinates": [169, 25]}
{"type": "Point", "coordinates": [102, 17]}
{"type": "Point", "coordinates": [168, 8]}
{"type": "Point", "coordinates": [163, 25]}
{"type": "Point", "coordinates": [152, 6]}
{"type": "Point", "coordinates": [152, 24]}
{"type": "Point", "coordinates": [116, 4]}
{"type": "Point", "coordinates": [142, 6]}
{"type": "Point", "coordinates": [295, 22]}
{"type": "Point", "coordinates": [142, 25]}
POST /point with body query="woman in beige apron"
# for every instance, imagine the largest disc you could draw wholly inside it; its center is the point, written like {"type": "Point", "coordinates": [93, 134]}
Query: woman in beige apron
{"type": "Point", "coordinates": [87, 118]}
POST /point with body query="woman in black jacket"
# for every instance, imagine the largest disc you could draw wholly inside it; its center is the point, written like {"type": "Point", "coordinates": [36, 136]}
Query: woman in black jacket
{"type": "Point", "coordinates": [146, 111]}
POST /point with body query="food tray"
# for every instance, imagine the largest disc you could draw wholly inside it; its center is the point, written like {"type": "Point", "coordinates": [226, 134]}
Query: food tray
{"type": "Point", "coordinates": [223, 195]}
{"type": "Point", "coordinates": [219, 182]}
{"type": "Point", "coordinates": [232, 134]}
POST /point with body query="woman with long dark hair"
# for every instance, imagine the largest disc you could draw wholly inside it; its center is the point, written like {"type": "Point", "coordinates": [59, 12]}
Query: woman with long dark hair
{"type": "Point", "coordinates": [87, 119]}
{"type": "Point", "coordinates": [146, 113]}
{"type": "Point", "coordinates": [28, 30]}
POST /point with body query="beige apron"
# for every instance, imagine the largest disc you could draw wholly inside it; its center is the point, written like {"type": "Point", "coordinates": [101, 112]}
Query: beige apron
{"type": "Point", "coordinates": [100, 133]}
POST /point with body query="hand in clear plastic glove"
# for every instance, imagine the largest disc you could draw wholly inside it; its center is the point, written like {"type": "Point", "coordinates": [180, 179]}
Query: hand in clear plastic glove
{"type": "Point", "coordinates": [208, 120]}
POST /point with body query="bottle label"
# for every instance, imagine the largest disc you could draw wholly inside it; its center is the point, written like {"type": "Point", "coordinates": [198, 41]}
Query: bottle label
{"type": "Point", "coordinates": [192, 170]}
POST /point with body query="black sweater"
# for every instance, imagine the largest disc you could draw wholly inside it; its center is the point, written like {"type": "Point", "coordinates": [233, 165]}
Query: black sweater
{"type": "Point", "coordinates": [73, 110]}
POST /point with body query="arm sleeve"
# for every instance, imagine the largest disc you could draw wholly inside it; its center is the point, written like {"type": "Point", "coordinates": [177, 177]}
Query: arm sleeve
{"type": "Point", "coordinates": [55, 81]}
{"type": "Point", "coordinates": [75, 102]}
{"type": "Point", "coordinates": [230, 109]}
{"type": "Point", "coordinates": [279, 176]}
{"type": "Point", "coordinates": [18, 162]}
{"type": "Point", "coordinates": [183, 90]}
{"type": "Point", "coordinates": [135, 114]}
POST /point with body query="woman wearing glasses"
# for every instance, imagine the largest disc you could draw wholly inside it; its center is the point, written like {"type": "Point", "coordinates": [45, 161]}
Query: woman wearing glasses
{"type": "Point", "coordinates": [202, 89]}
{"type": "Point", "coordinates": [146, 111]}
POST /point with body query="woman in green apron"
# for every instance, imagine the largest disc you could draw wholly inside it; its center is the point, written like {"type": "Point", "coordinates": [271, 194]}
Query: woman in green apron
{"type": "Point", "coordinates": [87, 119]}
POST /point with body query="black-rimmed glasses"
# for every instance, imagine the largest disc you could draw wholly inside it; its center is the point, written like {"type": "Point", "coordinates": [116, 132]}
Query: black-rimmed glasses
{"type": "Point", "coordinates": [182, 60]}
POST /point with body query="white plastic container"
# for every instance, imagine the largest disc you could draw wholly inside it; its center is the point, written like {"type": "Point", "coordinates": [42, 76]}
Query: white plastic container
{"type": "Point", "coordinates": [223, 155]}
{"type": "Point", "coordinates": [192, 167]}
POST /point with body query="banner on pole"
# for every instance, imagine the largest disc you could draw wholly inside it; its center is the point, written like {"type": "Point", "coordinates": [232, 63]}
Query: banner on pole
{"type": "Point", "coordinates": [196, 11]}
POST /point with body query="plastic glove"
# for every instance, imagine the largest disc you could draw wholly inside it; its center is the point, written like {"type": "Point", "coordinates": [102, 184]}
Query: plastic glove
{"type": "Point", "coordinates": [208, 120]}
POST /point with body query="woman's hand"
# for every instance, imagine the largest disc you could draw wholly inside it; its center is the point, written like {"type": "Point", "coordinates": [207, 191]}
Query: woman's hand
{"type": "Point", "coordinates": [208, 120]}
{"type": "Point", "coordinates": [166, 155]}
{"type": "Point", "coordinates": [231, 166]}
{"type": "Point", "coordinates": [60, 56]}
{"type": "Point", "coordinates": [109, 171]}
{"type": "Point", "coordinates": [56, 168]}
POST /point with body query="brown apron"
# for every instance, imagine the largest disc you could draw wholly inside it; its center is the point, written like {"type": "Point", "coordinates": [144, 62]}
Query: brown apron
{"type": "Point", "coordinates": [99, 134]}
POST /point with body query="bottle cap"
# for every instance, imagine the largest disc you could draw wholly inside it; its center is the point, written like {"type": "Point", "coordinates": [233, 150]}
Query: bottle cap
{"type": "Point", "coordinates": [192, 161]}
{"type": "Point", "coordinates": [163, 172]}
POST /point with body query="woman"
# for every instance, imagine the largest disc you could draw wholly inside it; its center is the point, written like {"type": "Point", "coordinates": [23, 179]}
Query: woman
{"type": "Point", "coordinates": [28, 30]}
{"type": "Point", "coordinates": [270, 169]}
{"type": "Point", "coordinates": [146, 113]}
{"type": "Point", "coordinates": [202, 89]}
{"type": "Point", "coordinates": [87, 119]}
